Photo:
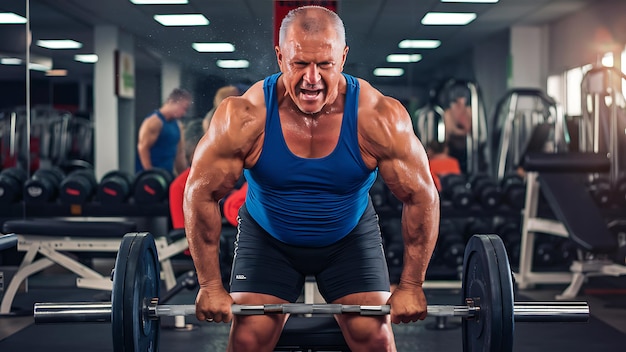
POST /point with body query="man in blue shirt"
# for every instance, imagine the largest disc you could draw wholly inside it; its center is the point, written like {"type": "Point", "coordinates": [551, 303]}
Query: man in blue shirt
{"type": "Point", "coordinates": [159, 144]}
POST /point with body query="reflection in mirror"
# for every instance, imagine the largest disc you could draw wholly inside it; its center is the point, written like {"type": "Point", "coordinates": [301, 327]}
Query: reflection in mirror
{"type": "Point", "coordinates": [14, 158]}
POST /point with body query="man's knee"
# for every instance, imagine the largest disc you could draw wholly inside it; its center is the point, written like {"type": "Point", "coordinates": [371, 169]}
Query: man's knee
{"type": "Point", "coordinates": [369, 331]}
{"type": "Point", "coordinates": [255, 333]}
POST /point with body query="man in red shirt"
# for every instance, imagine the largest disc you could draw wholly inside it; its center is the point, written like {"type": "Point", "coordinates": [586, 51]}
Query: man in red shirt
{"type": "Point", "coordinates": [193, 134]}
{"type": "Point", "coordinates": [440, 162]}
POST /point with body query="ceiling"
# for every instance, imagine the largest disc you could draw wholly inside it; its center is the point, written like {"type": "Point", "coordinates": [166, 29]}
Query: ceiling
{"type": "Point", "coordinates": [373, 30]}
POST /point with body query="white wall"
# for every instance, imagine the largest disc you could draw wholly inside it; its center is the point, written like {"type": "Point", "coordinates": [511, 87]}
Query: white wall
{"type": "Point", "coordinates": [491, 69]}
{"type": "Point", "coordinates": [577, 40]}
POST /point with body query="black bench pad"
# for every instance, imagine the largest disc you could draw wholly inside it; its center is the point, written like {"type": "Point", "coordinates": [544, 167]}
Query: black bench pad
{"type": "Point", "coordinates": [567, 162]}
{"type": "Point", "coordinates": [51, 227]}
{"type": "Point", "coordinates": [572, 204]}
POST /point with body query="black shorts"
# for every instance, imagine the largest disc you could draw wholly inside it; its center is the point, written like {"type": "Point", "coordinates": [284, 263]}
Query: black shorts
{"type": "Point", "coordinates": [263, 264]}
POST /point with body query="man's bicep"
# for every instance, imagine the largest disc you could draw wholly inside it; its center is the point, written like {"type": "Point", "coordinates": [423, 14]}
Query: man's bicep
{"type": "Point", "coordinates": [149, 131]}
{"type": "Point", "coordinates": [215, 168]}
{"type": "Point", "coordinates": [406, 170]}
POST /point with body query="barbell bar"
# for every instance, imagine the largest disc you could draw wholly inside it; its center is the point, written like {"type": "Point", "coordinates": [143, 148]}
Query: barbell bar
{"type": "Point", "coordinates": [488, 311]}
{"type": "Point", "coordinates": [75, 312]}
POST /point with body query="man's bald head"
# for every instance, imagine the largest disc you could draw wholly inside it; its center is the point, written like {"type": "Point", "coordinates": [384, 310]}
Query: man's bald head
{"type": "Point", "coordinates": [312, 19]}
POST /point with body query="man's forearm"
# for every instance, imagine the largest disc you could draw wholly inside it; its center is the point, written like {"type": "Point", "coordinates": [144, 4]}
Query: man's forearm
{"type": "Point", "coordinates": [203, 235]}
{"type": "Point", "coordinates": [144, 158]}
{"type": "Point", "coordinates": [420, 227]}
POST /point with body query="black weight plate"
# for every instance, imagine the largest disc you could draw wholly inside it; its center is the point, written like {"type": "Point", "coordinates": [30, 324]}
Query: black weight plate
{"type": "Point", "coordinates": [487, 280]}
{"type": "Point", "coordinates": [117, 294]}
{"type": "Point", "coordinates": [141, 284]}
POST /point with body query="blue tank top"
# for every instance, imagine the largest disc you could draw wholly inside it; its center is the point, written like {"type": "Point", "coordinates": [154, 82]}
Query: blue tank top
{"type": "Point", "coordinates": [163, 152]}
{"type": "Point", "coordinates": [309, 202]}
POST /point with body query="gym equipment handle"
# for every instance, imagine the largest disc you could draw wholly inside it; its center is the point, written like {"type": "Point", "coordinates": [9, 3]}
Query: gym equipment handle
{"type": "Point", "coordinates": [71, 312]}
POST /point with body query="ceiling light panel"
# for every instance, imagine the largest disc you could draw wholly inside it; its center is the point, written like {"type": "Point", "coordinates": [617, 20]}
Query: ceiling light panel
{"type": "Point", "coordinates": [448, 18]}
{"type": "Point", "coordinates": [213, 47]}
{"type": "Point", "coordinates": [11, 18]}
{"type": "Point", "coordinates": [10, 61]}
{"type": "Point", "coordinates": [233, 63]}
{"type": "Point", "coordinates": [419, 44]}
{"type": "Point", "coordinates": [388, 72]}
{"type": "Point", "coordinates": [40, 67]}
{"type": "Point", "coordinates": [59, 44]}
{"type": "Point", "coordinates": [404, 58]}
{"type": "Point", "coordinates": [193, 19]}
{"type": "Point", "coordinates": [86, 58]}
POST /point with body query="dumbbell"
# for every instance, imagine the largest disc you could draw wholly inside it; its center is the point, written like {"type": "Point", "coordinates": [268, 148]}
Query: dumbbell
{"type": "Point", "coordinates": [115, 187]}
{"type": "Point", "coordinates": [566, 251]}
{"type": "Point", "coordinates": [618, 229]}
{"type": "Point", "coordinates": [486, 191]}
{"type": "Point", "coordinates": [43, 186]}
{"type": "Point", "coordinates": [601, 191]}
{"type": "Point", "coordinates": [11, 183]}
{"type": "Point", "coordinates": [545, 253]}
{"type": "Point", "coordinates": [450, 244]}
{"type": "Point", "coordinates": [476, 226]}
{"type": "Point", "coordinates": [511, 235]}
{"type": "Point", "coordinates": [454, 188]}
{"type": "Point", "coordinates": [513, 191]}
{"type": "Point", "coordinates": [78, 187]}
{"type": "Point", "coordinates": [151, 186]}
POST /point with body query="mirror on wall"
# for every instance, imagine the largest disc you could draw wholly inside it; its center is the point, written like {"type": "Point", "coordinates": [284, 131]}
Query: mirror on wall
{"type": "Point", "coordinates": [14, 163]}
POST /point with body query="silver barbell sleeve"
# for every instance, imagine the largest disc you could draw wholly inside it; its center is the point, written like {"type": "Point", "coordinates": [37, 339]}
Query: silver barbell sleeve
{"type": "Point", "coordinates": [72, 312]}
{"type": "Point", "coordinates": [101, 311]}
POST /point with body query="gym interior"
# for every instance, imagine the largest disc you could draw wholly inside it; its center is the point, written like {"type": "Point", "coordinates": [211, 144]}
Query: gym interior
{"type": "Point", "coordinates": [542, 181]}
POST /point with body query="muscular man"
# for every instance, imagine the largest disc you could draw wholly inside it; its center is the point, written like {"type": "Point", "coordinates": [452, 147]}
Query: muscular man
{"type": "Point", "coordinates": [159, 143]}
{"type": "Point", "coordinates": [310, 141]}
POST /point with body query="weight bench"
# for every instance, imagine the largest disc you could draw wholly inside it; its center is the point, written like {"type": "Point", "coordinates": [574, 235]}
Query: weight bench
{"type": "Point", "coordinates": [561, 179]}
{"type": "Point", "coordinates": [52, 239]}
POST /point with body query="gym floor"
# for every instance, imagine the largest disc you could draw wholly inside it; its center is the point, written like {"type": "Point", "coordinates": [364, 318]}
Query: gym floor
{"type": "Point", "coordinates": [605, 331]}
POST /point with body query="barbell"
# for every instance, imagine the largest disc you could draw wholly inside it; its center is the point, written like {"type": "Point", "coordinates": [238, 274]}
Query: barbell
{"type": "Point", "coordinates": [487, 308]}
